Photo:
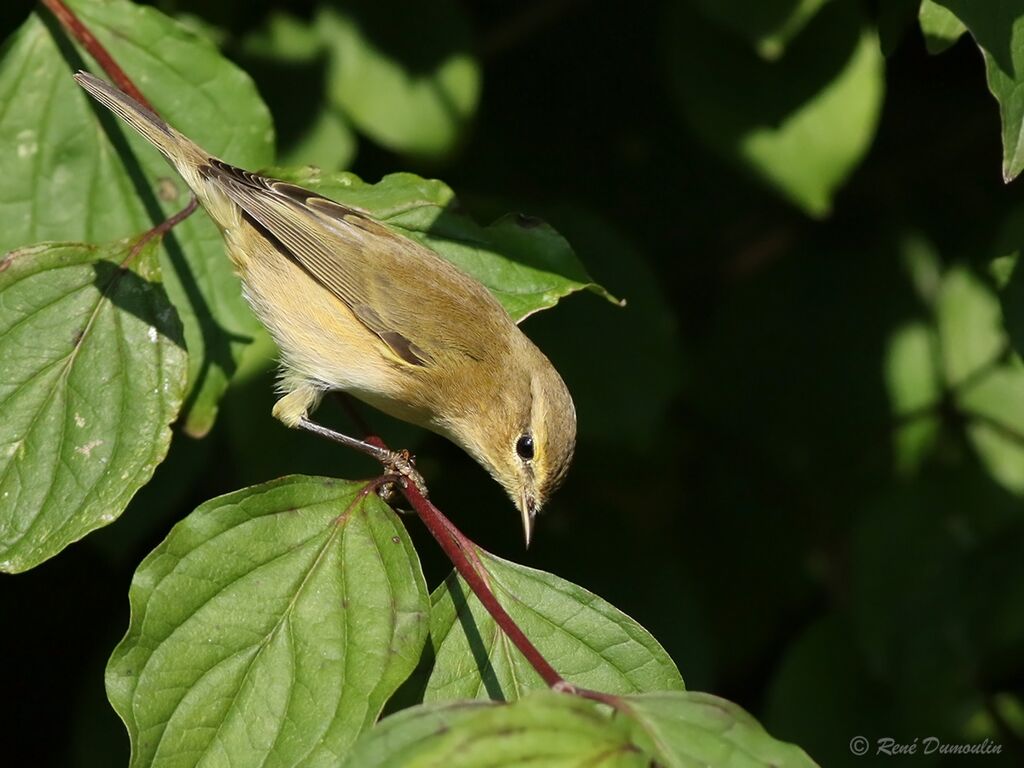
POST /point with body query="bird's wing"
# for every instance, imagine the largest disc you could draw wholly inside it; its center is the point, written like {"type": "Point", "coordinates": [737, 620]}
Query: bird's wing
{"type": "Point", "coordinates": [385, 279]}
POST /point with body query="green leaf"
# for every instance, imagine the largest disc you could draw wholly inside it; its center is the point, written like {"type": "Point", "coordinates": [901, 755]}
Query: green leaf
{"type": "Point", "coordinates": [520, 259]}
{"type": "Point", "coordinates": [940, 27]}
{"type": "Point", "coordinates": [969, 325]}
{"type": "Point", "coordinates": [407, 80]}
{"type": "Point", "coordinates": [690, 730]}
{"type": "Point", "coordinates": [545, 730]}
{"type": "Point", "coordinates": [915, 390]}
{"type": "Point", "coordinates": [327, 142]}
{"type": "Point", "coordinates": [988, 383]}
{"type": "Point", "coordinates": [998, 29]}
{"type": "Point", "coordinates": [852, 704]}
{"type": "Point", "coordinates": [269, 627]}
{"type": "Point", "coordinates": [70, 175]}
{"type": "Point", "coordinates": [288, 59]}
{"type": "Point", "coordinates": [92, 373]}
{"type": "Point", "coordinates": [767, 24]}
{"type": "Point", "coordinates": [800, 124]}
{"type": "Point", "coordinates": [590, 642]}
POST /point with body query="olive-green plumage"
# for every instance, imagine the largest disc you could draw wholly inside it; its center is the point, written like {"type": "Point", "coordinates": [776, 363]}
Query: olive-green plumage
{"type": "Point", "coordinates": [353, 306]}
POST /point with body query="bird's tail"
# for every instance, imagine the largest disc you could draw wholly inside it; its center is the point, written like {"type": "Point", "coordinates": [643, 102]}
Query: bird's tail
{"type": "Point", "coordinates": [185, 155]}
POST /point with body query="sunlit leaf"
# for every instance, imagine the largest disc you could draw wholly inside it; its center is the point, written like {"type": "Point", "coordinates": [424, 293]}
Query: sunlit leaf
{"type": "Point", "coordinates": [915, 390]}
{"type": "Point", "coordinates": [269, 627]}
{"type": "Point", "coordinates": [998, 29]}
{"type": "Point", "coordinates": [71, 175]}
{"type": "Point", "coordinates": [92, 372]}
{"type": "Point", "coordinates": [939, 26]}
{"type": "Point", "coordinates": [591, 643]}
{"type": "Point", "coordinates": [406, 79]}
{"type": "Point", "coordinates": [521, 260]}
{"type": "Point", "coordinates": [800, 124]}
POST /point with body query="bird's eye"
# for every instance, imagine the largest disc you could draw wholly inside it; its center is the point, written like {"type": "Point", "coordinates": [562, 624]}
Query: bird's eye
{"type": "Point", "coordinates": [524, 447]}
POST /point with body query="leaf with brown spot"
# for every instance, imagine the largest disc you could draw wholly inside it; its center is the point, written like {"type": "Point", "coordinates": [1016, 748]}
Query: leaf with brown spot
{"type": "Point", "coordinates": [92, 373]}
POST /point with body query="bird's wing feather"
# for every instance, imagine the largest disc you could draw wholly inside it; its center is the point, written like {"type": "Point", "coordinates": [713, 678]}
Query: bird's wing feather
{"type": "Point", "coordinates": [377, 273]}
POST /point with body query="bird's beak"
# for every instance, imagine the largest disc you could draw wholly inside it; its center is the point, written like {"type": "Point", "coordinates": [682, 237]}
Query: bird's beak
{"type": "Point", "coordinates": [528, 509]}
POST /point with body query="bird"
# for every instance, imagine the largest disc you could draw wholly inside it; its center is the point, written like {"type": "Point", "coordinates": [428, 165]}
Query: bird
{"type": "Point", "coordinates": [356, 307]}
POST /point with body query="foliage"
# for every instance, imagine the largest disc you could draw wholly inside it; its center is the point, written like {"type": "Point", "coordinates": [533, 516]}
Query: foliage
{"type": "Point", "coordinates": [801, 455]}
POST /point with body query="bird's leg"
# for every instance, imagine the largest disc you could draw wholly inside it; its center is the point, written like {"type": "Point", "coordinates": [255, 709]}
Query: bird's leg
{"type": "Point", "coordinates": [292, 410]}
{"type": "Point", "coordinates": [399, 463]}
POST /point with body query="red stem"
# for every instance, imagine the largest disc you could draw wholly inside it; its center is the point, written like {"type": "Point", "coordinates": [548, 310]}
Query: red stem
{"type": "Point", "coordinates": [163, 228]}
{"type": "Point", "coordinates": [77, 30]}
{"type": "Point", "coordinates": [458, 548]}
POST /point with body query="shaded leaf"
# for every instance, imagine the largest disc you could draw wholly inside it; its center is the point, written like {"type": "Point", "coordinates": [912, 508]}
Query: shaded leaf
{"type": "Point", "coordinates": [74, 174]}
{"type": "Point", "coordinates": [92, 373]}
{"type": "Point", "coordinates": [895, 17]}
{"type": "Point", "coordinates": [676, 730]}
{"type": "Point", "coordinates": [521, 260]}
{"type": "Point", "coordinates": [914, 594]}
{"type": "Point", "coordinates": [851, 705]}
{"type": "Point", "coordinates": [687, 729]}
{"type": "Point", "coordinates": [800, 124]}
{"type": "Point", "coordinates": [768, 25]}
{"type": "Point", "coordinates": [939, 26]}
{"type": "Point", "coordinates": [545, 729]}
{"type": "Point", "coordinates": [590, 642]}
{"type": "Point", "coordinates": [407, 80]}
{"type": "Point", "coordinates": [998, 29]}
{"type": "Point", "coordinates": [270, 626]}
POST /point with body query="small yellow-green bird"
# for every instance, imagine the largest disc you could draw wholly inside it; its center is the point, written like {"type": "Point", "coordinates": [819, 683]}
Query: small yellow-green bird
{"type": "Point", "coordinates": [355, 307]}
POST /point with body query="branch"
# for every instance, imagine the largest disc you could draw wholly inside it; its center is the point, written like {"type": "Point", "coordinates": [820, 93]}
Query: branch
{"type": "Point", "coordinates": [78, 31]}
{"type": "Point", "coordinates": [459, 550]}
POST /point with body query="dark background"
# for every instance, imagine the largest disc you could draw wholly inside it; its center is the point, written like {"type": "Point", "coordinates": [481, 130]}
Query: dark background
{"type": "Point", "coordinates": [736, 488]}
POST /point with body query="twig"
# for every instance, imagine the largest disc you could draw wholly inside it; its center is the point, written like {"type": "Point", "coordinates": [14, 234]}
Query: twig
{"type": "Point", "coordinates": [459, 549]}
{"type": "Point", "coordinates": [78, 31]}
{"type": "Point", "coordinates": [162, 228]}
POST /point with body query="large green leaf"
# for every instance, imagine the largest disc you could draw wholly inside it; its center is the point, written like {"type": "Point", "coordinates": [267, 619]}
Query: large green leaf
{"type": "Point", "coordinates": [590, 642]}
{"type": "Point", "coordinates": [70, 175]}
{"type": "Point", "coordinates": [405, 78]}
{"type": "Point", "coordinates": [545, 729]}
{"type": "Point", "coordinates": [269, 627]}
{"type": "Point", "coordinates": [92, 372]}
{"type": "Point", "coordinates": [998, 29]}
{"type": "Point", "coordinates": [801, 123]}
{"type": "Point", "coordinates": [525, 263]}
